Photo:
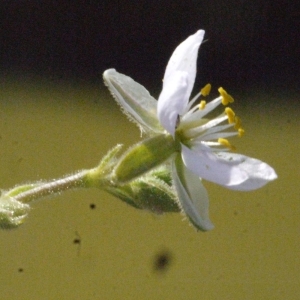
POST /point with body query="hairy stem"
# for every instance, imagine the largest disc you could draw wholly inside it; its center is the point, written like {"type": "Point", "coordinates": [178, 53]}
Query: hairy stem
{"type": "Point", "coordinates": [77, 180]}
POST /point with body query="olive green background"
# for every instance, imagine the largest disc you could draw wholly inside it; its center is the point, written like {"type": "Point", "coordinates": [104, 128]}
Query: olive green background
{"type": "Point", "coordinates": [66, 250]}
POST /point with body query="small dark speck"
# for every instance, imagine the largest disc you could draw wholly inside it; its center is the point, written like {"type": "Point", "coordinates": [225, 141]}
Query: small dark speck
{"type": "Point", "coordinates": [20, 270]}
{"type": "Point", "coordinates": [235, 213]}
{"type": "Point", "coordinates": [288, 121]}
{"type": "Point", "coordinates": [76, 241]}
{"type": "Point", "coordinates": [162, 261]}
{"type": "Point", "coordinates": [92, 206]}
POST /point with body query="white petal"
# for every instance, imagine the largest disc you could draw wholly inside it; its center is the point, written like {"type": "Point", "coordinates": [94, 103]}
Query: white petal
{"type": "Point", "coordinates": [184, 58]}
{"type": "Point", "coordinates": [173, 100]}
{"type": "Point", "coordinates": [206, 165]}
{"type": "Point", "coordinates": [136, 101]}
{"type": "Point", "coordinates": [259, 173]}
{"type": "Point", "coordinates": [234, 171]}
{"type": "Point", "coordinates": [192, 195]}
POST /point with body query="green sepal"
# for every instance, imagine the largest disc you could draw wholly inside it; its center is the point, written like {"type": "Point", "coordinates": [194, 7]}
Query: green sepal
{"type": "Point", "coordinates": [135, 101]}
{"type": "Point", "coordinates": [153, 192]}
{"type": "Point", "coordinates": [143, 157]}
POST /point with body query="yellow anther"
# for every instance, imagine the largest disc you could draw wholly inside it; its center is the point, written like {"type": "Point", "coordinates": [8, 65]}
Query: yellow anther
{"type": "Point", "coordinates": [226, 98]}
{"type": "Point", "coordinates": [225, 143]}
{"type": "Point", "coordinates": [202, 104]}
{"type": "Point", "coordinates": [241, 132]}
{"type": "Point", "coordinates": [237, 122]}
{"type": "Point", "coordinates": [230, 114]}
{"type": "Point", "coordinates": [206, 90]}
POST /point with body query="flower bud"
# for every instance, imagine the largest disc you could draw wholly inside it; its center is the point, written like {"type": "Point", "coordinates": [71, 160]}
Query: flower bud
{"type": "Point", "coordinates": [12, 212]}
{"type": "Point", "coordinates": [152, 192]}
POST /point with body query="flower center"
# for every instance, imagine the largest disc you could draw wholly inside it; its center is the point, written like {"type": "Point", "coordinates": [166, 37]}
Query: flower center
{"type": "Point", "coordinates": [195, 129]}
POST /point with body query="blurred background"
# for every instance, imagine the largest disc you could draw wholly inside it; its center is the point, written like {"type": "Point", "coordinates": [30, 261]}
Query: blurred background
{"type": "Point", "coordinates": [56, 117]}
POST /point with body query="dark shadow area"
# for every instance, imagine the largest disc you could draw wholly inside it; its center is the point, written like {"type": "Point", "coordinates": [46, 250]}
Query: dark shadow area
{"type": "Point", "coordinates": [250, 44]}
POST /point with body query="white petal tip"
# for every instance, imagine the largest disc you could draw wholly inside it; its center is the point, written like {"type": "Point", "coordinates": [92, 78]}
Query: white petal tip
{"type": "Point", "coordinates": [203, 225]}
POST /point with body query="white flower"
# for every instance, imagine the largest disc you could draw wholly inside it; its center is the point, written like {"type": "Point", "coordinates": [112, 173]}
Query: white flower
{"type": "Point", "coordinates": [204, 149]}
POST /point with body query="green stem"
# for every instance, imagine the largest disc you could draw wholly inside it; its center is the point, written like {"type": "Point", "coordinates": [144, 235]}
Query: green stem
{"type": "Point", "coordinates": [77, 180]}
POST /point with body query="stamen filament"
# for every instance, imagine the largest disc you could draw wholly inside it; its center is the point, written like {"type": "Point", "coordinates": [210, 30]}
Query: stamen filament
{"type": "Point", "coordinates": [217, 135]}
{"type": "Point", "coordinates": [218, 147]}
{"type": "Point", "coordinates": [226, 143]}
{"type": "Point", "coordinates": [199, 114]}
{"type": "Point", "coordinates": [192, 102]}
